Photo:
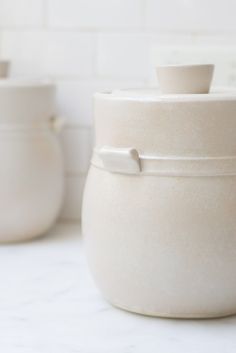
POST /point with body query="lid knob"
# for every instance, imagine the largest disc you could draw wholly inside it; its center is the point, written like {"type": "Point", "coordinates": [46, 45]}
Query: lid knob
{"type": "Point", "coordinates": [185, 79]}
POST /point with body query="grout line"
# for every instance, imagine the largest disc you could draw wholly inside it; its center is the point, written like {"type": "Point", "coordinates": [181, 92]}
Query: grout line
{"type": "Point", "coordinates": [22, 28]}
{"type": "Point", "coordinates": [139, 30]}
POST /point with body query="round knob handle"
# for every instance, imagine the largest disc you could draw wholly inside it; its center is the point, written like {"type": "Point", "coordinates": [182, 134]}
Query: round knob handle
{"type": "Point", "coordinates": [185, 79]}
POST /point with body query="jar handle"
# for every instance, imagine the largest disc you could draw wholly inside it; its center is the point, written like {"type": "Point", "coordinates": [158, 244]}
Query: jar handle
{"type": "Point", "coordinates": [120, 160]}
{"type": "Point", "coordinates": [57, 123]}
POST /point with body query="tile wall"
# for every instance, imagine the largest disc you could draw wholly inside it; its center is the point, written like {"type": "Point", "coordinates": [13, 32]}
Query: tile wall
{"type": "Point", "coordinates": [91, 45]}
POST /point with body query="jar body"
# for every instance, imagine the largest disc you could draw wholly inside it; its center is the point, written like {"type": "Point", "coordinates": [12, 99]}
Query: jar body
{"type": "Point", "coordinates": [162, 240]}
{"type": "Point", "coordinates": [31, 182]}
{"type": "Point", "coordinates": [163, 246]}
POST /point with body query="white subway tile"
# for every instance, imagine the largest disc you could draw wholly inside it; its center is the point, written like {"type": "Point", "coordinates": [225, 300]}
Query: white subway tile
{"type": "Point", "coordinates": [39, 52]}
{"type": "Point", "coordinates": [75, 98]}
{"type": "Point", "coordinates": [191, 15]}
{"type": "Point", "coordinates": [123, 55]}
{"type": "Point", "coordinates": [21, 12]}
{"type": "Point", "coordinates": [83, 63]}
{"type": "Point", "coordinates": [74, 101]}
{"type": "Point", "coordinates": [25, 50]}
{"type": "Point", "coordinates": [92, 13]}
{"type": "Point", "coordinates": [77, 147]}
{"type": "Point", "coordinates": [69, 53]}
{"type": "Point", "coordinates": [71, 209]}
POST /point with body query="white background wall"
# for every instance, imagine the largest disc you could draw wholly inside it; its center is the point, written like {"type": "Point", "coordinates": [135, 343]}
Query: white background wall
{"type": "Point", "coordinates": [90, 45]}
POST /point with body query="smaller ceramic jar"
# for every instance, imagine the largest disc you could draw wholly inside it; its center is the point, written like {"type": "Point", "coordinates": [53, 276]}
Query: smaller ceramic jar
{"type": "Point", "coordinates": [31, 168]}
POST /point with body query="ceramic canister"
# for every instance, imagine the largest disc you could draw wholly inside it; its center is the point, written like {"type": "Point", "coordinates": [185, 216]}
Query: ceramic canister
{"type": "Point", "coordinates": [31, 168]}
{"type": "Point", "coordinates": [160, 201]}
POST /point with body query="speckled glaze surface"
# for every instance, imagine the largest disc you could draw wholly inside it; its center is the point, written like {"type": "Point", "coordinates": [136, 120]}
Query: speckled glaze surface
{"type": "Point", "coordinates": [161, 239]}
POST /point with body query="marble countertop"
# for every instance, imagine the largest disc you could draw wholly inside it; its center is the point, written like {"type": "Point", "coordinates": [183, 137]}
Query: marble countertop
{"type": "Point", "coordinates": [49, 304]}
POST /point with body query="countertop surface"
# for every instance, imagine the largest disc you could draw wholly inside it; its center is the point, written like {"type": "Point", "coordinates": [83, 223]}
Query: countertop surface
{"type": "Point", "coordinates": [49, 304]}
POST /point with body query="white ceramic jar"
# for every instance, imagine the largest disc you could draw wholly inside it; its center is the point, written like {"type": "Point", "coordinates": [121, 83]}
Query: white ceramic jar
{"type": "Point", "coordinates": [159, 210]}
{"type": "Point", "coordinates": [31, 167]}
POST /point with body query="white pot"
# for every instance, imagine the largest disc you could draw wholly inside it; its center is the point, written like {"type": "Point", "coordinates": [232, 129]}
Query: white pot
{"type": "Point", "coordinates": [160, 202]}
{"type": "Point", "coordinates": [31, 168]}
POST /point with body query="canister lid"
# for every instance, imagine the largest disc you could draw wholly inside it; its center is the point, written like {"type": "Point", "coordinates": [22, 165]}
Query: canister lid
{"type": "Point", "coordinates": [177, 123]}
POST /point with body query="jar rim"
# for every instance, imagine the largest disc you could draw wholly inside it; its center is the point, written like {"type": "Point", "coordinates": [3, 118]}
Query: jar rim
{"type": "Point", "coordinates": [153, 94]}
